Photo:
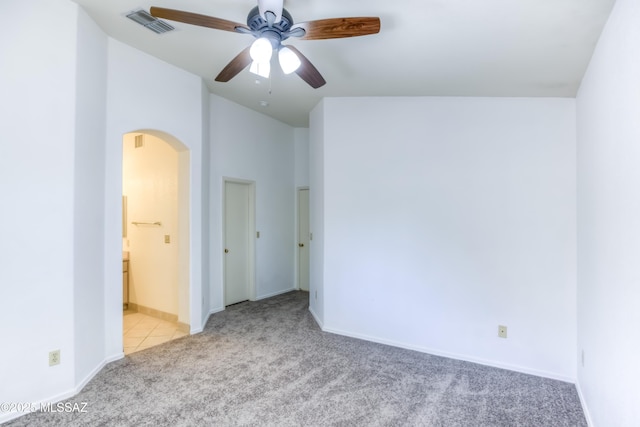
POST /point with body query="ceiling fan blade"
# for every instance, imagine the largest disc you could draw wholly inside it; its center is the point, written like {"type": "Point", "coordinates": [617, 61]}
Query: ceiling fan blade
{"type": "Point", "coordinates": [236, 65]}
{"type": "Point", "coordinates": [336, 28]}
{"type": "Point", "coordinates": [307, 71]}
{"type": "Point", "coordinates": [195, 19]}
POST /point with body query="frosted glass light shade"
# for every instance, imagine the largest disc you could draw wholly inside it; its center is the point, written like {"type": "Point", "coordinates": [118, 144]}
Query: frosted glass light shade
{"type": "Point", "coordinates": [289, 61]}
{"type": "Point", "coordinates": [261, 68]}
{"type": "Point", "coordinates": [261, 50]}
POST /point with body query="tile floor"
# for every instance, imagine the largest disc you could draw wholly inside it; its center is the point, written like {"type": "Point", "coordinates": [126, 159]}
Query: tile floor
{"type": "Point", "coordinates": [142, 331]}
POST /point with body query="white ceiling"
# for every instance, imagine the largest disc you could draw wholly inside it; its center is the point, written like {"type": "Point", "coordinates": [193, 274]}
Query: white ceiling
{"type": "Point", "coordinates": [425, 47]}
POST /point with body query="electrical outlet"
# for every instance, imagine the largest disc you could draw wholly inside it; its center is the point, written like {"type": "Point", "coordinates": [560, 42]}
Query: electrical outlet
{"type": "Point", "coordinates": [54, 357]}
{"type": "Point", "coordinates": [316, 295]}
{"type": "Point", "coordinates": [582, 358]}
{"type": "Point", "coordinates": [502, 331]}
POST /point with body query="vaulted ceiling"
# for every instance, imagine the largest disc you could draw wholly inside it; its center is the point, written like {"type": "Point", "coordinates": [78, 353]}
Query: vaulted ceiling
{"type": "Point", "coordinates": [532, 48]}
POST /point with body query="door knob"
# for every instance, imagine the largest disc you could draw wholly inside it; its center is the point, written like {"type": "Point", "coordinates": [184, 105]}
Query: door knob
{"type": "Point", "coordinates": [301, 245]}
{"type": "Point", "coordinates": [226, 251]}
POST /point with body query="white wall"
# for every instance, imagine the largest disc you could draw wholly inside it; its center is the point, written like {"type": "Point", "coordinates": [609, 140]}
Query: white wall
{"type": "Point", "coordinates": [608, 109]}
{"type": "Point", "coordinates": [66, 189]}
{"type": "Point", "coordinates": [150, 182]}
{"type": "Point", "coordinates": [316, 211]}
{"type": "Point", "coordinates": [251, 146]}
{"type": "Point", "coordinates": [88, 257]}
{"type": "Point", "coordinates": [146, 94]}
{"type": "Point", "coordinates": [205, 244]}
{"type": "Point", "coordinates": [37, 124]}
{"type": "Point", "coordinates": [445, 217]}
{"type": "Point", "coordinates": [301, 152]}
{"type": "Point", "coordinates": [52, 127]}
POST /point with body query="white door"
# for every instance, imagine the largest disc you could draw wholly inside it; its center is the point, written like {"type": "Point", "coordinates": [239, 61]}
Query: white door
{"type": "Point", "coordinates": [236, 238]}
{"type": "Point", "coordinates": [303, 239]}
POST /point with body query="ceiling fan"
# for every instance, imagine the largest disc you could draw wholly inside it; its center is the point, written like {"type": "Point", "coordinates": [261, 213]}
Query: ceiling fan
{"type": "Point", "coordinates": [271, 24]}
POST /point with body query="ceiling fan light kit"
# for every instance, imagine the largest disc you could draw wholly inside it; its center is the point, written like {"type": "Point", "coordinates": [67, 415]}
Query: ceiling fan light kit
{"type": "Point", "coordinates": [271, 24]}
{"type": "Point", "coordinates": [289, 61]}
{"type": "Point", "coordinates": [261, 50]}
{"type": "Point", "coordinates": [261, 53]}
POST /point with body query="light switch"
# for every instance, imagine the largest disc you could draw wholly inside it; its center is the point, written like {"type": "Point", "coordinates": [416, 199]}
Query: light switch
{"type": "Point", "coordinates": [167, 238]}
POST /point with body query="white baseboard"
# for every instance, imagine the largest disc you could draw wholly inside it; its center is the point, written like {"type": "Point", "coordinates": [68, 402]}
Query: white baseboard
{"type": "Point", "coordinates": [193, 331]}
{"type": "Point", "coordinates": [90, 376]}
{"type": "Point", "coordinates": [113, 358]}
{"type": "Point", "coordinates": [258, 298]}
{"type": "Point", "coordinates": [212, 311]}
{"type": "Point", "coordinates": [5, 417]}
{"type": "Point", "coordinates": [219, 309]}
{"type": "Point", "coordinates": [36, 405]}
{"type": "Point", "coordinates": [65, 395]}
{"type": "Point", "coordinates": [583, 402]}
{"type": "Point", "coordinates": [463, 357]}
{"type": "Point", "coordinates": [317, 319]}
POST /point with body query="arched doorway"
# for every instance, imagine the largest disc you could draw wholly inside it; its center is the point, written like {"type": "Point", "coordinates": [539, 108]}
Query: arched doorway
{"type": "Point", "coordinates": [155, 240]}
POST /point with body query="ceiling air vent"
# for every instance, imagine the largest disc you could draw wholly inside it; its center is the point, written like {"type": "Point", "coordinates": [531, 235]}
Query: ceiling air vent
{"type": "Point", "coordinates": [156, 25]}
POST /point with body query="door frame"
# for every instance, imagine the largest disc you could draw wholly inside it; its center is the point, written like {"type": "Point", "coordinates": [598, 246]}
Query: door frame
{"type": "Point", "coordinates": [251, 262]}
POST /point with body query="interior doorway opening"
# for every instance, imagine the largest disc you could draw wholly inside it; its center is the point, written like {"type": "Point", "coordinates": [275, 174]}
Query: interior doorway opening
{"type": "Point", "coordinates": [155, 240]}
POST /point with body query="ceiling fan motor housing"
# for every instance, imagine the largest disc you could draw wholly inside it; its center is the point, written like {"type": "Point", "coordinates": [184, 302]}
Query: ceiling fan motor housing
{"type": "Point", "coordinates": [275, 33]}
